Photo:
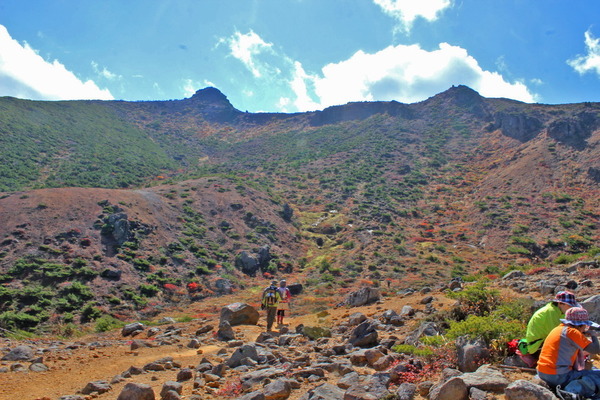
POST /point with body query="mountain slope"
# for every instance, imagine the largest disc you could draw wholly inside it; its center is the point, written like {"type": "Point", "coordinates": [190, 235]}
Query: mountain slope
{"type": "Point", "coordinates": [457, 185]}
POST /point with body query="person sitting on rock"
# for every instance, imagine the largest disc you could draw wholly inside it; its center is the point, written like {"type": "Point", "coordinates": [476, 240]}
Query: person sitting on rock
{"type": "Point", "coordinates": [564, 346]}
{"type": "Point", "coordinates": [284, 304]}
{"type": "Point", "coordinates": [270, 300]}
{"type": "Point", "coordinates": [541, 323]}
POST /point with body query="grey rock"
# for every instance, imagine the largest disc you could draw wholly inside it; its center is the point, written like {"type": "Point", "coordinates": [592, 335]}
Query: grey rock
{"type": "Point", "coordinates": [239, 314]}
{"type": "Point", "coordinates": [592, 305]}
{"type": "Point", "coordinates": [513, 275]}
{"type": "Point", "coordinates": [185, 374]}
{"type": "Point", "coordinates": [38, 367]}
{"type": "Point", "coordinates": [246, 351]}
{"type": "Point", "coordinates": [356, 318]}
{"type": "Point", "coordinates": [364, 335]}
{"type": "Point", "coordinates": [19, 353]}
{"type": "Point", "coordinates": [204, 329]}
{"type": "Point", "coordinates": [478, 394]}
{"type": "Point", "coordinates": [171, 386]}
{"type": "Point", "coordinates": [406, 391]}
{"type": "Point", "coordinates": [363, 296]}
{"type": "Point", "coordinates": [372, 387]}
{"type": "Point", "coordinates": [225, 332]}
{"type": "Point", "coordinates": [407, 311]}
{"type": "Point", "coordinates": [256, 395]}
{"type": "Point", "coordinates": [96, 387]}
{"type": "Point", "coordinates": [277, 390]}
{"type": "Point", "coordinates": [452, 389]}
{"type": "Point", "coordinates": [348, 380]}
{"type": "Point", "coordinates": [526, 390]}
{"type": "Point", "coordinates": [131, 329]}
{"type": "Point", "coordinates": [471, 353]}
{"type": "Point", "coordinates": [325, 391]}
{"type": "Point", "coordinates": [169, 395]}
{"type": "Point", "coordinates": [425, 329]}
{"type": "Point", "coordinates": [486, 378]}
{"type": "Point", "coordinates": [136, 391]}
{"type": "Point", "coordinates": [253, 378]}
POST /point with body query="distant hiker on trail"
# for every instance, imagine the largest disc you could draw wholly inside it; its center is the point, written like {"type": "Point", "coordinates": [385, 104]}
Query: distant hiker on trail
{"type": "Point", "coordinates": [270, 300]}
{"type": "Point", "coordinates": [284, 304]}
{"type": "Point", "coordinates": [560, 364]}
{"type": "Point", "coordinates": [541, 323]}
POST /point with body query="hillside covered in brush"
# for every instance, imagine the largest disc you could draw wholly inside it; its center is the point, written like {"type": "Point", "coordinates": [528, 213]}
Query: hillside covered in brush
{"type": "Point", "coordinates": [119, 208]}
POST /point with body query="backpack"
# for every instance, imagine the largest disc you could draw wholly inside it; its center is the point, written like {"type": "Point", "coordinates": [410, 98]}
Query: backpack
{"type": "Point", "coordinates": [270, 296]}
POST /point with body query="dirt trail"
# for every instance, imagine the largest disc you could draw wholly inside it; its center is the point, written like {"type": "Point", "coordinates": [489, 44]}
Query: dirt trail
{"type": "Point", "coordinates": [71, 371]}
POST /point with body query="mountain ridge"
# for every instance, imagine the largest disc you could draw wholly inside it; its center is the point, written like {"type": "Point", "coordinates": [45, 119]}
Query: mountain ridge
{"type": "Point", "coordinates": [456, 185]}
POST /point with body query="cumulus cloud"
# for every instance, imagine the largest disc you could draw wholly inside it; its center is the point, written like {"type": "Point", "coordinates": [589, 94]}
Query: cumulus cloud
{"type": "Point", "coordinates": [405, 73]}
{"type": "Point", "coordinates": [589, 62]}
{"type": "Point", "coordinates": [25, 74]}
{"type": "Point", "coordinates": [247, 48]}
{"type": "Point", "coordinates": [409, 74]}
{"type": "Point", "coordinates": [407, 11]}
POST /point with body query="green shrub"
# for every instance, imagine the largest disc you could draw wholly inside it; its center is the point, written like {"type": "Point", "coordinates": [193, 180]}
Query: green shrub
{"type": "Point", "coordinates": [108, 323]}
{"type": "Point", "coordinates": [412, 350]}
{"type": "Point", "coordinates": [475, 300]}
{"type": "Point", "coordinates": [489, 328]}
{"type": "Point", "coordinates": [90, 313]}
{"type": "Point", "coordinates": [148, 290]}
{"type": "Point", "coordinates": [518, 250]}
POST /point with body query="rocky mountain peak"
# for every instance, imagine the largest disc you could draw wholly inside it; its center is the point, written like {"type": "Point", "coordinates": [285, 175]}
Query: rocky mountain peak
{"type": "Point", "coordinates": [211, 95]}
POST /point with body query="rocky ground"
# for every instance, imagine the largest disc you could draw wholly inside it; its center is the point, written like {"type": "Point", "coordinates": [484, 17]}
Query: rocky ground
{"type": "Point", "coordinates": [341, 353]}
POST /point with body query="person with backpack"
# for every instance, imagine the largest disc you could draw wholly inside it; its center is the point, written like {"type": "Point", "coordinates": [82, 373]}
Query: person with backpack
{"type": "Point", "coordinates": [561, 352]}
{"type": "Point", "coordinates": [270, 300]}
{"type": "Point", "coordinates": [284, 304]}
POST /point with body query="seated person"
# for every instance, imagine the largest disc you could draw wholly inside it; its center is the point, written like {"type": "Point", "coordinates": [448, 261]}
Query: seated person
{"type": "Point", "coordinates": [560, 353]}
{"type": "Point", "coordinates": [542, 322]}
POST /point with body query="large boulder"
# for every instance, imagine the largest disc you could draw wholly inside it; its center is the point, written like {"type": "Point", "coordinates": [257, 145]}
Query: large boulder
{"type": "Point", "coordinates": [239, 314]}
{"type": "Point", "coordinates": [453, 389]}
{"type": "Point", "coordinates": [364, 335]}
{"type": "Point", "coordinates": [277, 390]}
{"type": "Point", "coordinates": [136, 391]}
{"type": "Point", "coordinates": [592, 305]}
{"type": "Point", "coordinates": [363, 296]}
{"type": "Point", "coordinates": [19, 353]}
{"type": "Point", "coordinates": [295, 288]}
{"type": "Point", "coordinates": [486, 378]}
{"type": "Point", "coordinates": [471, 353]}
{"type": "Point", "coordinates": [247, 263]}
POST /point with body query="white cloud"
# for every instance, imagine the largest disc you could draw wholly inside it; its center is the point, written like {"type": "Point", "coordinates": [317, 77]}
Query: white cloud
{"type": "Point", "coordinates": [104, 72]}
{"type": "Point", "coordinates": [189, 87]}
{"type": "Point", "coordinates": [591, 61]}
{"type": "Point", "coordinates": [25, 74]}
{"type": "Point", "coordinates": [246, 48]}
{"type": "Point", "coordinates": [410, 74]}
{"type": "Point", "coordinates": [403, 73]}
{"type": "Point", "coordinates": [407, 11]}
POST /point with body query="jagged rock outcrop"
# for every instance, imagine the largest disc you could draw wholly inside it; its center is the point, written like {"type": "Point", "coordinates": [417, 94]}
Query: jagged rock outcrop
{"type": "Point", "coordinates": [574, 131]}
{"type": "Point", "coordinates": [517, 125]}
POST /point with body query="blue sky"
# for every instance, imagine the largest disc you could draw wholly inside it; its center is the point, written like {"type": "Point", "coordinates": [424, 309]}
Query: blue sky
{"type": "Point", "coordinates": [300, 55]}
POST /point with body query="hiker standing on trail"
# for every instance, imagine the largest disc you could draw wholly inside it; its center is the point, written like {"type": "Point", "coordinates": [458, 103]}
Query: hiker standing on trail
{"type": "Point", "coordinates": [284, 304]}
{"type": "Point", "coordinates": [270, 300]}
{"type": "Point", "coordinates": [541, 323]}
{"type": "Point", "coordinates": [561, 353]}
